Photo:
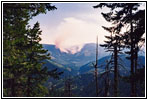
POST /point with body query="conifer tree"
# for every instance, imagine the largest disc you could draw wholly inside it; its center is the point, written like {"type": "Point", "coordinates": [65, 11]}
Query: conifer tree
{"type": "Point", "coordinates": [126, 15]}
{"type": "Point", "coordinates": [114, 45]}
{"type": "Point", "coordinates": [23, 56]}
{"type": "Point", "coordinates": [35, 74]}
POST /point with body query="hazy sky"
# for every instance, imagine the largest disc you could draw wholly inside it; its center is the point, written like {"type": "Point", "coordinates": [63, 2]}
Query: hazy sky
{"type": "Point", "coordinates": [71, 25]}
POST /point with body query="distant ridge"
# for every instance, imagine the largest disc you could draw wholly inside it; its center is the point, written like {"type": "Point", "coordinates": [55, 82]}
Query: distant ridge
{"type": "Point", "coordinates": [85, 55]}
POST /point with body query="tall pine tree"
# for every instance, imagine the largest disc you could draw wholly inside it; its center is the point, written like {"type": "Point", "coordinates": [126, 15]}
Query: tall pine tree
{"type": "Point", "coordinates": [113, 44]}
{"type": "Point", "coordinates": [23, 56]}
{"type": "Point", "coordinates": [127, 16]}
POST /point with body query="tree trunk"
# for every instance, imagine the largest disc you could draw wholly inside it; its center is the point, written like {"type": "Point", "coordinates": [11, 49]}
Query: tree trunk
{"type": "Point", "coordinates": [132, 59]}
{"type": "Point", "coordinates": [136, 59]}
{"type": "Point", "coordinates": [96, 78]}
{"type": "Point", "coordinates": [115, 71]}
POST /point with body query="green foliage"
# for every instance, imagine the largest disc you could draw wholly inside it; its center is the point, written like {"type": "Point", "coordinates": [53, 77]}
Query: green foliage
{"type": "Point", "coordinates": [23, 73]}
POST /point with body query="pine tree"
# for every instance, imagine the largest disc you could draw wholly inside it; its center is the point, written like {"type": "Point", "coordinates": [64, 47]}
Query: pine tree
{"type": "Point", "coordinates": [14, 41]}
{"type": "Point", "coordinates": [23, 57]}
{"type": "Point", "coordinates": [125, 15]}
{"type": "Point", "coordinates": [36, 75]}
{"type": "Point", "coordinates": [114, 45]}
{"type": "Point", "coordinates": [133, 39]}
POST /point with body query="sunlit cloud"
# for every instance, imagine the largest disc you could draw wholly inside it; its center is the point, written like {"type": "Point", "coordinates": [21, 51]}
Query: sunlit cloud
{"type": "Point", "coordinates": [72, 33]}
{"type": "Point", "coordinates": [70, 27]}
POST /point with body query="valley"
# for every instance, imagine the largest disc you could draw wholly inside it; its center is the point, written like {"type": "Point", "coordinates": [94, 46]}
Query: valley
{"type": "Point", "coordinates": [79, 69]}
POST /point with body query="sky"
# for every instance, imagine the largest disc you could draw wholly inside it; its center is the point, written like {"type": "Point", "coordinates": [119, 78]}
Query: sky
{"type": "Point", "coordinates": [72, 25]}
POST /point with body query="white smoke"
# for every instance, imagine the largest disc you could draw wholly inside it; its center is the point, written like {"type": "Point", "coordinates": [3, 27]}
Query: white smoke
{"type": "Point", "coordinates": [72, 33]}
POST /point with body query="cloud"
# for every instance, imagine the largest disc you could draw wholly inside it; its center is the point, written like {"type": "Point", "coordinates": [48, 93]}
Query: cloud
{"type": "Point", "coordinates": [71, 26]}
{"type": "Point", "coordinates": [72, 33]}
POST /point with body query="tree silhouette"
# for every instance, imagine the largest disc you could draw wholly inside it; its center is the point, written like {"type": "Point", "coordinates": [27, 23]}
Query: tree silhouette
{"type": "Point", "coordinates": [105, 74]}
{"type": "Point", "coordinates": [96, 69]}
{"type": "Point", "coordinates": [114, 45]}
{"type": "Point", "coordinates": [126, 15]}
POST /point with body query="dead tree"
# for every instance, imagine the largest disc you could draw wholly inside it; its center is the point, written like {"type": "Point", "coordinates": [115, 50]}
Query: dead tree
{"type": "Point", "coordinates": [96, 69]}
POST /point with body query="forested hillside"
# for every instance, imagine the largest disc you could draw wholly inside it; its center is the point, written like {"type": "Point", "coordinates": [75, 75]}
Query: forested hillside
{"type": "Point", "coordinates": [113, 68]}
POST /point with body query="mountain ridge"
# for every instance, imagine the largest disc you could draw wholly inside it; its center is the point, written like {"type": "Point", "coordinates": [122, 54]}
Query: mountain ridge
{"type": "Point", "coordinates": [85, 55]}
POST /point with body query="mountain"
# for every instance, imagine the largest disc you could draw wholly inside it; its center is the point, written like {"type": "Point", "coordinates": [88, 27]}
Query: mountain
{"type": "Point", "coordinates": [83, 85]}
{"type": "Point", "coordinates": [78, 67]}
{"type": "Point", "coordinates": [51, 65]}
{"type": "Point", "coordinates": [81, 62]}
{"type": "Point", "coordinates": [102, 63]}
{"type": "Point", "coordinates": [74, 61]}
